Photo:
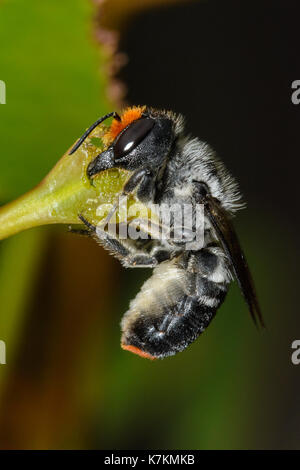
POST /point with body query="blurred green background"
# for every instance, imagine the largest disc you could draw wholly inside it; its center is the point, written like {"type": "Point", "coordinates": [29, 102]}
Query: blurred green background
{"type": "Point", "coordinates": [67, 384]}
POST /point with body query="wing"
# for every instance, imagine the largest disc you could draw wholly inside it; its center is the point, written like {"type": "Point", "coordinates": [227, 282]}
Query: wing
{"type": "Point", "coordinates": [228, 238]}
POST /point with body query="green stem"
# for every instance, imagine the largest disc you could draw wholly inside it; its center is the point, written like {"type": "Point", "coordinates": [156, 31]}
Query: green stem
{"type": "Point", "coordinates": [40, 208]}
{"type": "Point", "coordinates": [62, 195]}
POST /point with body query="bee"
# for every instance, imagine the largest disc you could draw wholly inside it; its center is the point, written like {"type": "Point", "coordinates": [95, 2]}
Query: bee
{"type": "Point", "coordinates": [187, 286]}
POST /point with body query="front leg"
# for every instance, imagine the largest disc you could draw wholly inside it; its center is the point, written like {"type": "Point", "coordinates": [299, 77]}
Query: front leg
{"type": "Point", "coordinates": [141, 179]}
{"type": "Point", "coordinates": [126, 251]}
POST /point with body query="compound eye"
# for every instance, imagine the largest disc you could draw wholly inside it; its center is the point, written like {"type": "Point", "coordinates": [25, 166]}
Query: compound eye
{"type": "Point", "coordinates": [132, 136]}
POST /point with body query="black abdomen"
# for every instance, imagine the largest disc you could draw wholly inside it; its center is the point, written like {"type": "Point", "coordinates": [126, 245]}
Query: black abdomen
{"type": "Point", "coordinates": [173, 308]}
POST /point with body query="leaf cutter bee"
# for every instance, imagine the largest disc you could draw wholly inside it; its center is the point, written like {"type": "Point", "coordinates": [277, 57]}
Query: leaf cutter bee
{"type": "Point", "coordinates": [177, 303]}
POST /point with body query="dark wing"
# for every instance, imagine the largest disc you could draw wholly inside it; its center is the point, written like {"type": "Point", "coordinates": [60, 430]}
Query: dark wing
{"type": "Point", "coordinates": [228, 238]}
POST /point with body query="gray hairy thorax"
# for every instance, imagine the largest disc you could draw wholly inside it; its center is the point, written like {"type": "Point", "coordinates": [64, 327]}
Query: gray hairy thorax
{"type": "Point", "coordinates": [193, 160]}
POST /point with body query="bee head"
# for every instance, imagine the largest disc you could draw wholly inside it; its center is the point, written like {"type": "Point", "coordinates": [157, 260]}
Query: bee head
{"type": "Point", "coordinates": [139, 137]}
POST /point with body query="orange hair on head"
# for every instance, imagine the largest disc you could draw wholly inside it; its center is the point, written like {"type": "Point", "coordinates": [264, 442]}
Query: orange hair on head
{"type": "Point", "coordinates": [127, 117]}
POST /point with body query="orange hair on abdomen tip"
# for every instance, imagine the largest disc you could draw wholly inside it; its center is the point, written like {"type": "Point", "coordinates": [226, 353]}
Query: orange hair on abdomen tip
{"type": "Point", "coordinates": [128, 116]}
{"type": "Point", "coordinates": [137, 351]}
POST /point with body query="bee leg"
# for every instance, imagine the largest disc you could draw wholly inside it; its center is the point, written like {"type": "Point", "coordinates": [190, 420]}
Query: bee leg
{"type": "Point", "coordinates": [155, 229]}
{"type": "Point", "coordinates": [129, 255]}
{"type": "Point", "coordinates": [79, 231]}
{"type": "Point", "coordinates": [126, 252]}
{"type": "Point", "coordinates": [90, 228]}
{"type": "Point", "coordinates": [139, 259]}
{"type": "Point", "coordinates": [105, 239]}
{"type": "Point", "coordinates": [141, 179]}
